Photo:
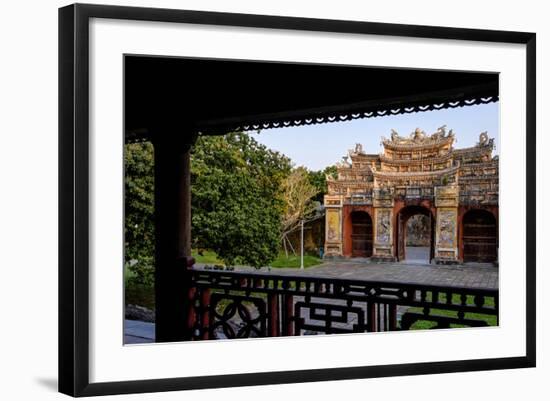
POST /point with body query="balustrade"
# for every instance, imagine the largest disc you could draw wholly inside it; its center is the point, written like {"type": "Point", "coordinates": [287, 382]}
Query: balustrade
{"type": "Point", "coordinates": [229, 304]}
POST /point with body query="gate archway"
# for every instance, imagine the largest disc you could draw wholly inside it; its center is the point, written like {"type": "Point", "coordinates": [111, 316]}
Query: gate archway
{"type": "Point", "coordinates": [361, 234]}
{"type": "Point", "coordinates": [401, 233]}
{"type": "Point", "coordinates": [479, 236]}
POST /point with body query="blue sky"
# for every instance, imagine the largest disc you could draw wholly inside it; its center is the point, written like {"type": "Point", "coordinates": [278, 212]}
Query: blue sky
{"type": "Point", "coordinates": [321, 145]}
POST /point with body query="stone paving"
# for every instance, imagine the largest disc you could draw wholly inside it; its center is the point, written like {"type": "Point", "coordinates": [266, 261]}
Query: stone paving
{"type": "Point", "coordinates": [469, 276]}
{"type": "Point", "coordinates": [137, 332]}
{"type": "Point", "coordinates": [418, 255]}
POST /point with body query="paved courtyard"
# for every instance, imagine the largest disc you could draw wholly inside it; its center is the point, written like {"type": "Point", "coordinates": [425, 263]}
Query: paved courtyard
{"type": "Point", "coordinates": [471, 276]}
{"type": "Point", "coordinates": [137, 332]}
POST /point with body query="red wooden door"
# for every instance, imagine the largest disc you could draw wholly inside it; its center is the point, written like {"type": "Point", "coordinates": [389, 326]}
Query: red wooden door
{"type": "Point", "coordinates": [361, 234]}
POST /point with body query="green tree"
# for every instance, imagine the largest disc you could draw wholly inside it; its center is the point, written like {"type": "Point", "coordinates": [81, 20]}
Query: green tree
{"type": "Point", "coordinates": [236, 199]}
{"type": "Point", "coordinates": [298, 193]}
{"type": "Point", "coordinates": [319, 181]}
{"type": "Point", "coordinates": [139, 206]}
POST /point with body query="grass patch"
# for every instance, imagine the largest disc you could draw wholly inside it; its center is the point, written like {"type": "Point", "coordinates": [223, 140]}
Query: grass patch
{"type": "Point", "coordinates": [294, 261]}
{"type": "Point", "coordinates": [489, 301]}
{"type": "Point", "coordinates": [210, 258]}
{"type": "Point", "coordinates": [425, 324]}
{"type": "Point", "coordinates": [140, 294]}
{"type": "Point", "coordinates": [144, 295]}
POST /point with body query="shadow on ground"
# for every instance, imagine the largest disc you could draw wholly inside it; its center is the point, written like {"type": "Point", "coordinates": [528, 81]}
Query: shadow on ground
{"type": "Point", "coordinates": [49, 383]}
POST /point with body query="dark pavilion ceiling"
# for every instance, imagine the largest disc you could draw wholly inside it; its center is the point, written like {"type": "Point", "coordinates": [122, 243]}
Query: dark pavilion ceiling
{"type": "Point", "coordinates": [179, 96]}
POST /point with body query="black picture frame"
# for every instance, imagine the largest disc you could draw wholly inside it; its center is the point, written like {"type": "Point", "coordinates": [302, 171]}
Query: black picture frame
{"type": "Point", "coordinates": [74, 194]}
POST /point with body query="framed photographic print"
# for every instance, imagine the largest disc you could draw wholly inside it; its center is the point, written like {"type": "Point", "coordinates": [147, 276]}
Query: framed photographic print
{"type": "Point", "coordinates": [251, 199]}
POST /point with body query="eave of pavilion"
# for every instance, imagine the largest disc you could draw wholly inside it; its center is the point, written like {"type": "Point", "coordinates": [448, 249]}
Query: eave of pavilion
{"type": "Point", "coordinates": [347, 112]}
{"type": "Point", "coordinates": [415, 174]}
{"type": "Point", "coordinates": [391, 161]}
{"type": "Point", "coordinates": [412, 146]}
{"type": "Point", "coordinates": [351, 183]}
{"type": "Point", "coordinates": [353, 168]}
{"type": "Point", "coordinates": [478, 178]}
{"type": "Point", "coordinates": [490, 163]}
{"type": "Point", "coordinates": [473, 150]}
{"type": "Point", "coordinates": [363, 157]}
{"type": "Point", "coordinates": [212, 97]}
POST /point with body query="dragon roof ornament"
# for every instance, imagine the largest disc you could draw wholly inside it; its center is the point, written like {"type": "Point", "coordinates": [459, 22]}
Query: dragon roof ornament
{"type": "Point", "coordinates": [345, 163]}
{"type": "Point", "coordinates": [485, 141]}
{"type": "Point", "coordinates": [419, 137]}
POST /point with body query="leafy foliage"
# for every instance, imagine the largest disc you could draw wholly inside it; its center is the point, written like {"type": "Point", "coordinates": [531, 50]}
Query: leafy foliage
{"type": "Point", "coordinates": [236, 201]}
{"type": "Point", "coordinates": [139, 206]}
{"type": "Point", "coordinates": [318, 180]}
{"type": "Point", "coordinates": [298, 193]}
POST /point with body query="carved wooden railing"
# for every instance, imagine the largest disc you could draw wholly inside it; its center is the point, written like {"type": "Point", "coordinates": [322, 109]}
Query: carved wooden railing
{"type": "Point", "coordinates": [224, 304]}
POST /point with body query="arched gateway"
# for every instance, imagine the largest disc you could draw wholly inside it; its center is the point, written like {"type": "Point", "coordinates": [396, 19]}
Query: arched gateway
{"type": "Point", "coordinates": [416, 174]}
{"type": "Point", "coordinates": [402, 232]}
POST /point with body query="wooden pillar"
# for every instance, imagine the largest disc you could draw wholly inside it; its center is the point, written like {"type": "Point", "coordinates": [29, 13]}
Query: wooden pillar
{"type": "Point", "coordinates": [288, 316]}
{"type": "Point", "coordinates": [392, 318]}
{"type": "Point", "coordinates": [172, 234]}
{"type": "Point", "coordinates": [371, 316]}
{"type": "Point", "coordinates": [273, 323]}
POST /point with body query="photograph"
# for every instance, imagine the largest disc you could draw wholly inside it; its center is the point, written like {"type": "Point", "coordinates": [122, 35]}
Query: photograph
{"type": "Point", "coordinates": [274, 200]}
{"type": "Point", "coordinates": [372, 222]}
{"type": "Point", "coordinates": [237, 188]}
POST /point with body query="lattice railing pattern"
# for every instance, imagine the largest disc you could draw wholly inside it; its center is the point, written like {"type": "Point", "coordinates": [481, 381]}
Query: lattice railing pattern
{"type": "Point", "coordinates": [224, 304]}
